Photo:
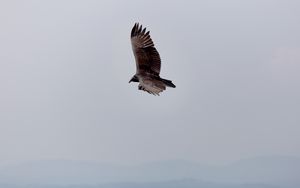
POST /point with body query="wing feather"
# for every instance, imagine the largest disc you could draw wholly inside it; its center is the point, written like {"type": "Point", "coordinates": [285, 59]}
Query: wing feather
{"type": "Point", "coordinates": [151, 85]}
{"type": "Point", "coordinates": [146, 56]}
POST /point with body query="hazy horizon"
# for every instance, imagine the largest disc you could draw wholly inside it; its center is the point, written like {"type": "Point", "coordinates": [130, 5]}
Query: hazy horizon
{"type": "Point", "coordinates": [65, 67]}
{"type": "Point", "coordinates": [257, 172]}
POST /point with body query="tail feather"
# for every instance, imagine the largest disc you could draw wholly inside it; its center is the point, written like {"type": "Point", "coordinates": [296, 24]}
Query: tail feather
{"type": "Point", "coordinates": [168, 83]}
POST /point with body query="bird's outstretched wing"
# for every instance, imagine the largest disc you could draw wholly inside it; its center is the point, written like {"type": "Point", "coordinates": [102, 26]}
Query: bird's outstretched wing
{"type": "Point", "coordinates": [151, 85]}
{"type": "Point", "coordinates": [146, 56]}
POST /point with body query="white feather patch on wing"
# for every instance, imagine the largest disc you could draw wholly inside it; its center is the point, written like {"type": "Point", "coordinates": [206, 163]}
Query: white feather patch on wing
{"type": "Point", "coordinates": [152, 86]}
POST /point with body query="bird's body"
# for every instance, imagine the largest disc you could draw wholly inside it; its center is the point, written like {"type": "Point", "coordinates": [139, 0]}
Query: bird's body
{"type": "Point", "coordinates": [148, 62]}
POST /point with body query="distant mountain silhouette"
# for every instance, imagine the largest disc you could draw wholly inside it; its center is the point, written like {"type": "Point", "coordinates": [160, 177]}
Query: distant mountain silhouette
{"type": "Point", "coordinates": [256, 172]}
{"type": "Point", "coordinates": [167, 184]}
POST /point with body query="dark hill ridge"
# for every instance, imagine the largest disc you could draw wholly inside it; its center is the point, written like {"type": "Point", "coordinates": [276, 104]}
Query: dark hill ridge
{"type": "Point", "coordinates": [167, 184]}
{"type": "Point", "coordinates": [278, 171]}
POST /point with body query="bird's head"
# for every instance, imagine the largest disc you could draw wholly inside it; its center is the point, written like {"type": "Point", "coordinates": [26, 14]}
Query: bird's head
{"type": "Point", "coordinates": [134, 79]}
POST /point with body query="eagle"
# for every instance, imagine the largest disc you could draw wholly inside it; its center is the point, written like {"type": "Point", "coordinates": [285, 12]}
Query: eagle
{"type": "Point", "coordinates": [148, 62]}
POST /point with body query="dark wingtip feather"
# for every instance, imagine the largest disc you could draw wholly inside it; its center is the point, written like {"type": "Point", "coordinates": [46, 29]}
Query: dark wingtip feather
{"type": "Point", "coordinates": [132, 30]}
{"type": "Point", "coordinates": [138, 29]}
{"type": "Point", "coordinates": [168, 83]}
{"type": "Point", "coordinates": [171, 85]}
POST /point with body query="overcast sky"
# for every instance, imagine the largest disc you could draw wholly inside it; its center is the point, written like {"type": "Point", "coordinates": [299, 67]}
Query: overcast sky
{"type": "Point", "coordinates": [65, 67]}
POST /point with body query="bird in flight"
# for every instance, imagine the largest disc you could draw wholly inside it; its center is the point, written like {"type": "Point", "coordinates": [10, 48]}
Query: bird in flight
{"type": "Point", "coordinates": [148, 62]}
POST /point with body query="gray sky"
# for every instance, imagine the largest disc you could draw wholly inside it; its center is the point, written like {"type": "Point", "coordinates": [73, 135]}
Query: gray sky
{"type": "Point", "coordinates": [65, 67]}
